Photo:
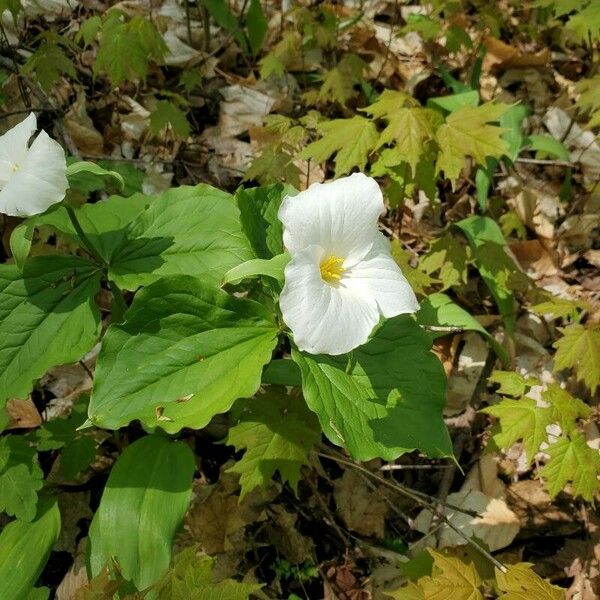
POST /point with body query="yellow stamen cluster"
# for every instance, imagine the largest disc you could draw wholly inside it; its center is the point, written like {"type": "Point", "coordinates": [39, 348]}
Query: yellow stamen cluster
{"type": "Point", "coordinates": [331, 269]}
{"type": "Point", "coordinates": [14, 167]}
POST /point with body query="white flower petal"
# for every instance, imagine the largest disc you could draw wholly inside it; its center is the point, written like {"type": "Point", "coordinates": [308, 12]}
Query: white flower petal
{"type": "Point", "coordinates": [339, 216]}
{"type": "Point", "coordinates": [13, 146]}
{"type": "Point", "coordinates": [378, 276]}
{"type": "Point", "coordinates": [39, 182]}
{"type": "Point", "coordinates": [324, 319]}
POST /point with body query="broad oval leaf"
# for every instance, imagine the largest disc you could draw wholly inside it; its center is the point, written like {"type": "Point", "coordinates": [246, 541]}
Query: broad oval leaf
{"type": "Point", "coordinates": [47, 318]}
{"type": "Point", "coordinates": [187, 230]}
{"type": "Point", "coordinates": [384, 399]}
{"type": "Point", "coordinates": [24, 550]}
{"type": "Point", "coordinates": [143, 505]}
{"type": "Point", "coordinates": [185, 353]}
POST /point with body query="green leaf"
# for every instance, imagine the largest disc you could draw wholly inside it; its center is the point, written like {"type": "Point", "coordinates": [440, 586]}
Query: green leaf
{"type": "Point", "coordinates": [142, 506]}
{"type": "Point", "coordinates": [411, 129]}
{"type": "Point", "coordinates": [571, 459]}
{"type": "Point", "coordinates": [47, 318]}
{"type": "Point", "coordinates": [467, 132]}
{"type": "Point", "coordinates": [439, 310]}
{"type": "Point", "coordinates": [257, 26]}
{"type": "Point", "coordinates": [187, 230]}
{"type": "Point", "coordinates": [13, 6]}
{"type": "Point", "coordinates": [76, 168]}
{"type": "Point", "coordinates": [258, 215]}
{"type": "Point", "coordinates": [220, 12]}
{"type": "Point", "coordinates": [520, 420]}
{"type": "Point", "coordinates": [79, 449]}
{"type": "Point", "coordinates": [510, 382]}
{"type": "Point", "coordinates": [520, 582]}
{"type": "Point", "coordinates": [273, 267]}
{"type": "Point", "coordinates": [167, 113]}
{"type": "Point", "coordinates": [49, 63]}
{"type": "Point", "coordinates": [20, 477]}
{"type": "Point", "coordinates": [185, 353]}
{"type": "Point", "coordinates": [282, 371]}
{"type": "Point", "coordinates": [384, 399]}
{"type": "Point", "coordinates": [20, 241]}
{"type": "Point", "coordinates": [512, 122]}
{"type": "Point", "coordinates": [191, 578]}
{"type": "Point", "coordinates": [448, 257]}
{"type": "Point", "coordinates": [352, 140]}
{"type": "Point", "coordinates": [104, 223]}
{"type": "Point", "coordinates": [127, 47]}
{"type": "Point", "coordinates": [547, 145]}
{"type": "Point", "coordinates": [24, 550]}
{"type": "Point", "coordinates": [497, 268]}
{"type": "Point", "coordinates": [388, 104]}
{"type": "Point", "coordinates": [566, 409]}
{"type": "Point", "coordinates": [579, 349]}
{"type": "Point", "coordinates": [451, 578]}
{"type": "Point", "coordinates": [455, 101]}
{"type": "Point", "coordinates": [419, 281]}
{"type": "Point", "coordinates": [277, 431]}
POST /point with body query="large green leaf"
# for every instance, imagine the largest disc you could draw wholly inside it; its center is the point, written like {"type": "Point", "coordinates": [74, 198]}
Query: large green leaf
{"type": "Point", "coordinates": [143, 505]}
{"type": "Point", "coordinates": [185, 353]}
{"type": "Point", "coordinates": [104, 223]}
{"type": "Point", "coordinates": [24, 550]}
{"type": "Point", "coordinates": [258, 214]}
{"type": "Point", "coordinates": [384, 399]}
{"type": "Point", "coordinates": [187, 230]}
{"type": "Point", "coordinates": [47, 318]}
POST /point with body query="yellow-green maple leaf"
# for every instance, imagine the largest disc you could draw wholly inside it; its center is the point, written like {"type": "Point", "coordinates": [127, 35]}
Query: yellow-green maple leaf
{"type": "Point", "coordinates": [521, 583]}
{"type": "Point", "coordinates": [450, 257]}
{"type": "Point", "coordinates": [467, 132]}
{"type": "Point", "coordinates": [566, 409]}
{"type": "Point", "coordinates": [389, 103]}
{"type": "Point", "coordinates": [352, 140]}
{"type": "Point", "coordinates": [277, 431]}
{"type": "Point", "coordinates": [410, 129]}
{"type": "Point", "coordinates": [579, 349]}
{"type": "Point", "coordinates": [520, 420]}
{"type": "Point", "coordinates": [452, 579]}
{"type": "Point", "coordinates": [589, 100]}
{"type": "Point", "coordinates": [572, 460]}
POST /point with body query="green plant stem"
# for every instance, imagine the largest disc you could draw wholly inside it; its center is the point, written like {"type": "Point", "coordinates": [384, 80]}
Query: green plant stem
{"type": "Point", "coordinates": [87, 244]}
{"type": "Point", "coordinates": [119, 306]}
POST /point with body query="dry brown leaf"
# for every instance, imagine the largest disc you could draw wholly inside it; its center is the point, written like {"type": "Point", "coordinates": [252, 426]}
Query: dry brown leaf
{"type": "Point", "coordinates": [87, 138]}
{"type": "Point", "coordinates": [361, 509]}
{"type": "Point", "coordinates": [500, 54]}
{"type": "Point", "coordinates": [284, 535]}
{"type": "Point", "coordinates": [23, 414]}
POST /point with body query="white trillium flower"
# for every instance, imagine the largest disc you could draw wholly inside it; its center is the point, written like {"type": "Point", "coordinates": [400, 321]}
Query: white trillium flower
{"type": "Point", "coordinates": [32, 178]}
{"type": "Point", "coordinates": [341, 277]}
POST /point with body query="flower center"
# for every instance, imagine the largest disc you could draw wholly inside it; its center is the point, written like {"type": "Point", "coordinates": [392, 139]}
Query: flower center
{"type": "Point", "coordinates": [331, 269]}
{"type": "Point", "coordinates": [14, 167]}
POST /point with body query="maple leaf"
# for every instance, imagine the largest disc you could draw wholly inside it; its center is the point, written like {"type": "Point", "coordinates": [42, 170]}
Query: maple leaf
{"type": "Point", "coordinates": [126, 48]}
{"type": "Point", "coordinates": [566, 409]}
{"type": "Point", "coordinates": [521, 583]}
{"type": "Point", "coordinates": [191, 578]}
{"type": "Point", "coordinates": [589, 99]}
{"type": "Point", "coordinates": [411, 129]}
{"type": "Point", "coordinates": [452, 579]}
{"type": "Point", "coordinates": [277, 431]}
{"type": "Point", "coordinates": [572, 460]}
{"type": "Point", "coordinates": [168, 113]}
{"type": "Point", "coordinates": [49, 62]}
{"type": "Point", "coordinates": [448, 256]}
{"type": "Point", "coordinates": [467, 132]}
{"type": "Point", "coordinates": [520, 420]}
{"type": "Point", "coordinates": [352, 140]}
{"type": "Point", "coordinates": [338, 84]}
{"type": "Point", "coordinates": [20, 477]}
{"type": "Point", "coordinates": [510, 382]}
{"type": "Point", "coordinates": [389, 103]}
{"type": "Point", "coordinates": [579, 349]}
{"type": "Point", "coordinates": [419, 280]}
